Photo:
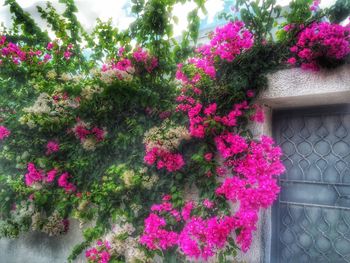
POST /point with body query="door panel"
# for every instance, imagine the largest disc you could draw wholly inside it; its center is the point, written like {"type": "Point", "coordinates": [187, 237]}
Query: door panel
{"type": "Point", "coordinates": [311, 219]}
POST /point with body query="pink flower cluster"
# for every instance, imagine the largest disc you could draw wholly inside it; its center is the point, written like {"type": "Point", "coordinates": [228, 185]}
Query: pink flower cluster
{"type": "Point", "coordinates": [199, 238]}
{"type": "Point", "coordinates": [81, 131]}
{"type": "Point", "coordinates": [188, 104]}
{"type": "Point", "coordinates": [123, 64]}
{"type": "Point", "coordinates": [33, 175]}
{"type": "Point", "coordinates": [16, 54]}
{"type": "Point", "coordinates": [68, 52]}
{"type": "Point", "coordinates": [202, 238]}
{"type": "Point", "coordinates": [259, 114]}
{"type": "Point", "coordinates": [315, 5]}
{"type": "Point", "coordinates": [226, 43]}
{"type": "Point", "coordinates": [52, 147]}
{"type": "Point", "coordinates": [39, 176]}
{"type": "Point", "coordinates": [155, 236]}
{"type": "Point", "coordinates": [63, 182]}
{"type": "Point", "coordinates": [254, 165]}
{"type": "Point", "coordinates": [208, 204]}
{"type": "Point", "coordinates": [142, 56]}
{"type": "Point", "coordinates": [120, 67]}
{"type": "Point", "coordinates": [100, 253]}
{"type": "Point", "coordinates": [170, 161]}
{"type": "Point", "coordinates": [200, 117]}
{"type": "Point", "coordinates": [4, 132]}
{"type": "Point", "coordinates": [229, 144]}
{"type": "Point", "coordinates": [207, 66]}
{"type": "Point", "coordinates": [320, 40]}
{"type": "Point", "coordinates": [254, 185]}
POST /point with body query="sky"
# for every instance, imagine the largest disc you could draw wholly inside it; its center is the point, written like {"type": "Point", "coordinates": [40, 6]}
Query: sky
{"type": "Point", "coordinates": [119, 11]}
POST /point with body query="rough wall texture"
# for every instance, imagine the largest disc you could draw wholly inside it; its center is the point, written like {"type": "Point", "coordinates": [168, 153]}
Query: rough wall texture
{"type": "Point", "coordinates": [295, 87]}
{"type": "Point", "coordinates": [40, 248]}
{"type": "Point", "coordinates": [287, 89]}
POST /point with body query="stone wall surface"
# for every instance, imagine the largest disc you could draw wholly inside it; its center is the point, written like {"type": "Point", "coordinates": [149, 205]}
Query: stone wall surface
{"type": "Point", "coordinates": [287, 89]}
{"type": "Point", "coordinates": [37, 247]}
{"type": "Point", "coordinates": [296, 88]}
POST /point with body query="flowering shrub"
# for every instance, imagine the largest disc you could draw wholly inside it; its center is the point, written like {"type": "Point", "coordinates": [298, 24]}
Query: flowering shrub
{"type": "Point", "coordinates": [101, 126]}
{"type": "Point", "coordinates": [249, 167]}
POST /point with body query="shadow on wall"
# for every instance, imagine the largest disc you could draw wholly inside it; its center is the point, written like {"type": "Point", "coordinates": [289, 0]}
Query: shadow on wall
{"type": "Point", "coordinates": [37, 247]}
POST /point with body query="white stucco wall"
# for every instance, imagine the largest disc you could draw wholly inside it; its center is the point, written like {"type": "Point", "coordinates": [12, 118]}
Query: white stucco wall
{"type": "Point", "coordinates": [35, 247]}
{"type": "Point", "coordinates": [296, 87]}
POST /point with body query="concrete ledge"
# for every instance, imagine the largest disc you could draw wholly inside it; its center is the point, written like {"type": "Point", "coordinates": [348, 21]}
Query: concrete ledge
{"type": "Point", "coordinates": [299, 88]}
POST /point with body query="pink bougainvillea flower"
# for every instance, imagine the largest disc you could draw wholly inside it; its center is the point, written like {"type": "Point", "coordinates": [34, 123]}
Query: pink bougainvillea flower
{"type": "Point", "coordinates": [319, 41]}
{"type": "Point", "coordinates": [202, 238]}
{"type": "Point", "coordinates": [63, 182]}
{"type": "Point", "coordinates": [208, 204]}
{"type": "Point", "coordinates": [33, 175]}
{"type": "Point", "coordinates": [259, 114]}
{"type": "Point", "coordinates": [52, 147]}
{"type": "Point", "coordinates": [229, 144]}
{"type": "Point", "coordinates": [49, 46]}
{"type": "Point", "coordinates": [170, 161]}
{"type": "Point", "coordinates": [250, 93]}
{"type": "Point", "coordinates": [186, 210]}
{"type": "Point", "coordinates": [208, 156]}
{"type": "Point", "coordinates": [67, 54]}
{"type": "Point", "coordinates": [155, 236]}
{"type": "Point", "coordinates": [4, 132]}
{"type": "Point", "coordinates": [50, 176]}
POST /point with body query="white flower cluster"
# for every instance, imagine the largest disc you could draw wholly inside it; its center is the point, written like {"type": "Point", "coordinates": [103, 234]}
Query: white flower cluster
{"type": "Point", "coordinates": [128, 177]}
{"type": "Point", "coordinates": [54, 225]}
{"type": "Point", "coordinates": [89, 91]}
{"type": "Point", "coordinates": [46, 104]}
{"type": "Point", "coordinates": [66, 77]}
{"type": "Point", "coordinates": [166, 138]}
{"type": "Point", "coordinates": [23, 211]}
{"type": "Point", "coordinates": [41, 105]}
{"type": "Point", "coordinates": [111, 75]}
{"type": "Point", "coordinates": [122, 243]}
{"type": "Point", "coordinates": [51, 74]}
{"type": "Point", "coordinates": [89, 144]}
{"type": "Point", "coordinates": [149, 182]}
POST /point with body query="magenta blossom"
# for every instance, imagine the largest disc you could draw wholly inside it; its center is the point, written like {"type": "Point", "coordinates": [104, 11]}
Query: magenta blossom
{"type": "Point", "coordinates": [52, 147]}
{"type": "Point", "coordinates": [4, 132]}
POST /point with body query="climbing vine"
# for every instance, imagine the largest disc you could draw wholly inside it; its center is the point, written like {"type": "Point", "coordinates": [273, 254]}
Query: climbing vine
{"type": "Point", "coordinates": [145, 137]}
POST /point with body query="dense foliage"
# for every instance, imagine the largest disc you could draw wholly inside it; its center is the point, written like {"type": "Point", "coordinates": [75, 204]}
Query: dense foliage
{"type": "Point", "coordinates": [118, 127]}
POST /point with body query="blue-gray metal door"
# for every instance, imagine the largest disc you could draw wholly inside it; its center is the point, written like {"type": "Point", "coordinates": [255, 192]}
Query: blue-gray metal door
{"type": "Point", "coordinates": [311, 219]}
